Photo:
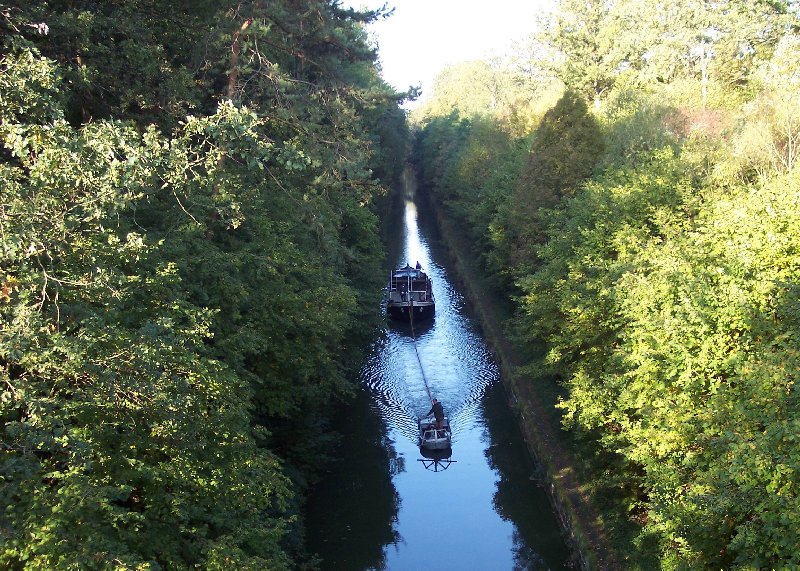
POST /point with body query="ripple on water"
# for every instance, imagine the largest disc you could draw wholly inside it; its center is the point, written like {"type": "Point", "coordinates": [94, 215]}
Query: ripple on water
{"type": "Point", "coordinates": [448, 358]}
{"type": "Point", "coordinates": [443, 358]}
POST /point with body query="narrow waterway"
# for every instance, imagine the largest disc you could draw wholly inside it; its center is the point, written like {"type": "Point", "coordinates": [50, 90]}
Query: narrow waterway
{"type": "Point", "coordinates": [385, 505]}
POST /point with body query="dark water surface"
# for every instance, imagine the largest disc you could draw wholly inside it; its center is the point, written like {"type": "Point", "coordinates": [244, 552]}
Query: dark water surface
{"type": "Point", "coordinates": [385, 505]}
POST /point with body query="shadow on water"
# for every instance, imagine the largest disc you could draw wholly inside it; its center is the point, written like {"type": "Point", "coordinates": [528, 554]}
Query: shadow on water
{"type": "Point", "coordinates": [417, 329]}
{"type": "Point", "coordinates": [519, 497]}
{"type": "Point", "coordinates": [359, 486]}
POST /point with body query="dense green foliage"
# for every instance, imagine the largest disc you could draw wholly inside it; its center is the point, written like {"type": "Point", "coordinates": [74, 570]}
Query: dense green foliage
{"type": "Point", "coordinates": [650, 240]}
{"type": "Point", "coordinates": [565, 149]}
{"type": "Point", "coordinates": [189, 250]}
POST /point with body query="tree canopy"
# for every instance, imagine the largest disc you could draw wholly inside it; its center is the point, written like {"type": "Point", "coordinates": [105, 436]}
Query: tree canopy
{"type": "Point", "coordinates": [189, 249]}
{"type": "Point", "coordinates": [646, 228]}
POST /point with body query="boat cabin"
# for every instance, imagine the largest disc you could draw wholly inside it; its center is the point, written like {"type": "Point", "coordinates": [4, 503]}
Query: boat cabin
{"type": "Point", "coordinates": [410, 294]}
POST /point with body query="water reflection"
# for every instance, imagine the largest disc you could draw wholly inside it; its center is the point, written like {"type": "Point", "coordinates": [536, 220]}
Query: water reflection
{"type": "Point", "coordinates": [518, 496]}
{"type": "Point", "coordinates": [436, 460]}
{"type": "Point", "coordinates": [359, 487]}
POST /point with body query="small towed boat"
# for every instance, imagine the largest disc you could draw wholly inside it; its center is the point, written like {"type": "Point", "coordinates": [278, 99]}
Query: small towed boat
{"type": "Point", "coordinates": [432, 438]}
{"type": "Point", "coordinates": [410, 294]}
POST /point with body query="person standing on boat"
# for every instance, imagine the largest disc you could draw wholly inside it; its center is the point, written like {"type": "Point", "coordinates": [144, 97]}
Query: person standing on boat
{"type": "Point", "coordinates": [438, 413]}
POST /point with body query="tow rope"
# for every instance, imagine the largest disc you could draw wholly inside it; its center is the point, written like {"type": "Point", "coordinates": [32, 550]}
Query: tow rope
{"type": "Point", "coordinates": [416, 350]}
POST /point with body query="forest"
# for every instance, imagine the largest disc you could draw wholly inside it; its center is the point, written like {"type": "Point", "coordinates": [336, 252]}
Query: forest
{"type": "Point", "coordinates": [191, 195]}
{"type": "Point", "coordinates": [629, 180]}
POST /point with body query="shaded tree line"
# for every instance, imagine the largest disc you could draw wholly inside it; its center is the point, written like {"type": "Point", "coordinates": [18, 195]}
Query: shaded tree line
{"type": "Point", "coordinates": [190, 201]}
{"type": "Point", "coordinates": [646, 228]}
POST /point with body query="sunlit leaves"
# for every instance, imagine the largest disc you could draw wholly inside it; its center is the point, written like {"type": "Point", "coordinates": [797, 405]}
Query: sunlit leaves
{"type": "Point", "coordinates": [105, 403]}
{"type": "Point", "coordinates": [702, 53]}
{"type": "Point", "coordinates": [582, 40]}
{"type": "Point", "coordinates": [663, 277]}
{"type": "Point", "coordinates": [667, 328]}
{"type": "Point", "coordinates": [29, 85]}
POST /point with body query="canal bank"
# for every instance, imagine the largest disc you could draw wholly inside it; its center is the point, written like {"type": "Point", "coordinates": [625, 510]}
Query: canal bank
{"type": "Point", "coordinates": [578, 518]}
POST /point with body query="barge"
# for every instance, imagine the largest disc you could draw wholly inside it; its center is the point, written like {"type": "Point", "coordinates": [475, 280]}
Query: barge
{"type": "Point", "coordinates": [410, 294]}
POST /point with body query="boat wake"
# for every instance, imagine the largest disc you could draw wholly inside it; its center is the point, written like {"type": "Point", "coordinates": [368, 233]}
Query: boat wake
{"type": "Point", "coordinates": [442, 356]}
{"type": "Point", "coordinates": [449, 360]}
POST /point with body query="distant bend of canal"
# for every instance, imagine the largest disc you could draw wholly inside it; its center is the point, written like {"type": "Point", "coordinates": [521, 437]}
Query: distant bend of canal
{"type": "Point", "coordinates": [385, 505]}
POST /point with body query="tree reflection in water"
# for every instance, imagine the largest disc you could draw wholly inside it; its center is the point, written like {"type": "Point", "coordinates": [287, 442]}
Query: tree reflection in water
{"type": "Point", "coordinates": [536, 540]}
{"type": "Point", "coordinates": [361, 480]}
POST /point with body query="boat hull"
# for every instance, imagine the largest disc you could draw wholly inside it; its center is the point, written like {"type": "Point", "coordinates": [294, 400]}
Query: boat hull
{"type": "Point", "coordinates": [409, 295]}
{"type": "Point", "coordinates": [400, 311]}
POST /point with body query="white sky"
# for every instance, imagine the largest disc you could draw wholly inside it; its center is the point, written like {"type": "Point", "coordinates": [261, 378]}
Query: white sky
{"type": "Point", "coordinates": [424, 36]}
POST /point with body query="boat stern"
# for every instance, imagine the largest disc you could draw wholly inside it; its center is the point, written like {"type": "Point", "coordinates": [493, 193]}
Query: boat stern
{"type": "Point", "coordinates": [433, 438]}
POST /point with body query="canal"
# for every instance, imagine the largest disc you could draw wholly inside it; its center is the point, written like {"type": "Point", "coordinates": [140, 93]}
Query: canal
{"type": "Point", "coordinates": [386, 506]}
